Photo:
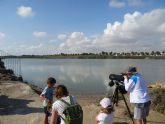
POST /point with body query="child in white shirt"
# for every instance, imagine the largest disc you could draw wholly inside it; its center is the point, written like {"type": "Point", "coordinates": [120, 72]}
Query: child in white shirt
{"type": "Point", "coordinates": [106, 113]}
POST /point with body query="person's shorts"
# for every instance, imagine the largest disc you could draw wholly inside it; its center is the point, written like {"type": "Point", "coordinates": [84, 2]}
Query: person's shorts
{"type": "Point", "coordinates": [46, 111]}
{"type": "Point", "coordinates": [141, 110]}
{"type": "Point", "coordinates": [49, 114]}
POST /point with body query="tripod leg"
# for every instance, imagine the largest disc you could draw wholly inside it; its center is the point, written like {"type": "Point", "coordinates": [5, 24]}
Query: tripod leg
{"type": "Point", "coordinates": [128, 108]}
{"type": "Point", "coordinates": [115, 97]}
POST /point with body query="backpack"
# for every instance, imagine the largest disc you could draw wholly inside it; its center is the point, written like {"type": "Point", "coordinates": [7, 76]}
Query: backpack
{"type": "Point", "coordinates": [73, 113]}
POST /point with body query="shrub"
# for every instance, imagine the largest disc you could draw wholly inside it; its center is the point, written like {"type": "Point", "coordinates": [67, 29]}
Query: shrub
{"type": "Point", "coordinates": [158, 100]}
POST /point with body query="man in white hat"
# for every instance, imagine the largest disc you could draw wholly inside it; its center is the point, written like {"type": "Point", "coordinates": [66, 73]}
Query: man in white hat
{"type": "Point", "coordinates": [106, 114]}
{"type": "Point", "coordinates": [135, 84]}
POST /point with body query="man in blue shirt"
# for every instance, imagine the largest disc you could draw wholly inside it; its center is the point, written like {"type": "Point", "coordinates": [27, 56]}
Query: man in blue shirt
{"type": "Point", "coordinates": [136, 86]}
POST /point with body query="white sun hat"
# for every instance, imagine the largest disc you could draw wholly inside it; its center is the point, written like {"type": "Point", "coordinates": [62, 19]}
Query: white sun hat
{"type": "Point", "coordinates": [105, 102]}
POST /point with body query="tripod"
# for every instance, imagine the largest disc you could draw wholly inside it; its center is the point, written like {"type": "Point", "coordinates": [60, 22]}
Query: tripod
{"type": "Point", "coordinates": [115, 99]}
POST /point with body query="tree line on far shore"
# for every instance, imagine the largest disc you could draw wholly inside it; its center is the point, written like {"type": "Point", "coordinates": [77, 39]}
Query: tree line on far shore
{"type": "Point", "coordinates": [104, 55]}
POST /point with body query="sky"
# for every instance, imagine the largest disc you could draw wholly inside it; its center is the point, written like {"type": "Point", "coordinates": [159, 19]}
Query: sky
{"type": "Point", "coordinates": [78, 26]}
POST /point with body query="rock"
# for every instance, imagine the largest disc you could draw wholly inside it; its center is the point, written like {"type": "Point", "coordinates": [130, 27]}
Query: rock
{"type": "Point", "coordinates": [20, 78]}
{"type": "Point", "coordinates": [8, 74]}
{"type": "Point", "coordinates": [6, 71]}
{"type": "Point", "coordinates": [2, 64]}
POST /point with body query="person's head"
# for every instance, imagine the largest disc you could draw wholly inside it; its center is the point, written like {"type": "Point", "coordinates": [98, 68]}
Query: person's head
{"type": "Point", "coordinates": [130, 71]}
{"type": "Point", "coordinates": [106, 106]}
{"type": "Point", "coordinates": [61, 91]}
{"type": "Point", "coordinates": [51, 82]}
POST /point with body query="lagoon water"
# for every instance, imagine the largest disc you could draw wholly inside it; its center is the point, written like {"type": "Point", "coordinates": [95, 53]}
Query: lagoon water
{"type": "Point", "coordinates": [88, 76]}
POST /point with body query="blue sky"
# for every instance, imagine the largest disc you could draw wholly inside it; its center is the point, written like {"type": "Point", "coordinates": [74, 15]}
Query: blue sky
{"type": "Point", "coordinates": [71, 26]}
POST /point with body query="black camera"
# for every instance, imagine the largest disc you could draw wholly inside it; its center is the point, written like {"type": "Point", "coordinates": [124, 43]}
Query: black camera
{"type": "Point", "coordinates": [115, 79]}
{"type": "Point", "coordinates": [118, 80]}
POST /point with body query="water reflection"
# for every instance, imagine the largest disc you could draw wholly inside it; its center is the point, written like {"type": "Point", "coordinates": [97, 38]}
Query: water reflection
{"type": "Point", "coordinates": [86, 76]}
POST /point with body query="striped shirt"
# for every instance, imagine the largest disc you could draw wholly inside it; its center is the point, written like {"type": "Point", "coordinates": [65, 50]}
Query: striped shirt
{"type": "Point", "coordinates": [59, 106]}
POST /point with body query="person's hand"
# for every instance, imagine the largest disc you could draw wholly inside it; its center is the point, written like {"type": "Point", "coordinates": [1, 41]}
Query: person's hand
{"type": "Point", "coordinates": [97, 121]}
{"type": "Point", "coordinates": [125, 77]}
{"type": "Point", "coordinates": [42, 97]}
{"type": "Point", "coordinates": [50, 102]}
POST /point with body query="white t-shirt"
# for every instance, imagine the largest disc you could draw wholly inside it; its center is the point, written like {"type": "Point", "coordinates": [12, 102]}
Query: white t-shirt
{"type": "Point", "coordinates": [104, 118]}
{"type": "Point", "coordinates": [59, 106]}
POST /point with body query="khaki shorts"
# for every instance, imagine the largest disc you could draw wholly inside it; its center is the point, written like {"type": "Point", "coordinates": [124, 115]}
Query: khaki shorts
{"type": "Point", "coordinates": [46, 111]}
{"type": "Point", "coordinates": [141, 110]}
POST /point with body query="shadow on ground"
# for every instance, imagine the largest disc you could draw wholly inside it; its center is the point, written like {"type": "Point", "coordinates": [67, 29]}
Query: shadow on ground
{"type": "Point", "coordinates": [10, 106]}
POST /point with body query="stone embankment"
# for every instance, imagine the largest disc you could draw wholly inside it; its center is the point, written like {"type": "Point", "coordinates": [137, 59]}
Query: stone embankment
{"type": "Point", "coordinates": [7, 74]}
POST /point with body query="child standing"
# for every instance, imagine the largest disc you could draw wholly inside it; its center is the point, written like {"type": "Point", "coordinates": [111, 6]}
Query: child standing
{"type": "Point", "coordinates": [106, 114]}
{"type": "Point", "coordinates": [47, 96]}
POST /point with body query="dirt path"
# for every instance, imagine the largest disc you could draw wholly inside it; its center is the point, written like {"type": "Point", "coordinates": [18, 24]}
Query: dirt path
{"type": "Point", "coordinates": [19, 104]}
{"type": "Point", "coordinates": [121, 115]}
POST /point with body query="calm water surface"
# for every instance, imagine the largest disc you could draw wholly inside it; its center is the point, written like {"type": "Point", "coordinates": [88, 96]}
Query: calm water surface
{"type": "Point", "coordinates": [87, 76]}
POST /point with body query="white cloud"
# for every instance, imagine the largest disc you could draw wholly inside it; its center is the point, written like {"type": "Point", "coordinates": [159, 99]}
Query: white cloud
{"type": "Point", "coordinates": [31, 49]}
{"type": "Point", "coordinates": [24, 11]}
{"type": "Point", "coordinates": [122, 3]}
{"type": "Point", "coordinates": [36, 46]}
{"type": "Point", "coordinates": [116, 3]}
{"type": "Point", "coordinates": [76, 42]}
{"type": "Point", "coordinates": [2, 35]}
{"type": "Point", "coordinates": [135, 2]}
{"type": "Point", "coordinates": [137, 32]}
{"type": "Point", "coordinates": [62, 37]}
{"type": "Point", "coordinates": [161, 28]}
{"type": "Point", "coordinates": [39, 34]}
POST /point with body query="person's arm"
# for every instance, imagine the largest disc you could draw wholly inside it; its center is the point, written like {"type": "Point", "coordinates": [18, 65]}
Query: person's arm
{"type": "Point", "coordinates": [54, 117]}
{"type": "Point", "coordinates": [129, 83]}
{"type": "Point", "coordinates": [100, 118]}
{"type": "Point", "coordinates": [43, 97]}
{"type": "Point", "coordinates": [97, 119]}
{"type": "Point", "coordinates": [43, 93]}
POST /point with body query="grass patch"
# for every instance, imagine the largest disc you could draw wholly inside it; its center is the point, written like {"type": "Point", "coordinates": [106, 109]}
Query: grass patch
{"type": "Point", "coordinates": [158, 100]}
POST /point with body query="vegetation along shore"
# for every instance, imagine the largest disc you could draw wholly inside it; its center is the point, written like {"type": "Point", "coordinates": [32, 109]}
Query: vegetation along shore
{"type": "Point", "coordinates": [102, 55]}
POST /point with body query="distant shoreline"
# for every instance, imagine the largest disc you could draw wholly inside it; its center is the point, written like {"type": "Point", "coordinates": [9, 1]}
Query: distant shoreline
{"type": "Point", "coordinates": [99, 55]}
{"type": "Point", "coordinates": [89, 57]}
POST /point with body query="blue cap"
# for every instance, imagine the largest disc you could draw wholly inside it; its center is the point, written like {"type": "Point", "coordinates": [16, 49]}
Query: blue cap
{"type": "Point", "coordinates": [132, 70]}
